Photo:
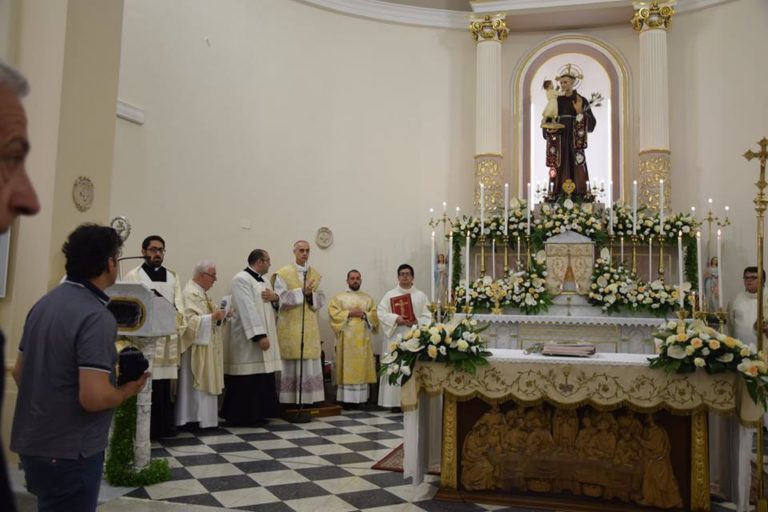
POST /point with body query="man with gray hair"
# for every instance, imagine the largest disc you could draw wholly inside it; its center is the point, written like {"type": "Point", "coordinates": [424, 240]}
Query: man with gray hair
{"type": "Point", "coordinates": [201, 376]}
{"type": "Point", "coordinates": [17, 197]}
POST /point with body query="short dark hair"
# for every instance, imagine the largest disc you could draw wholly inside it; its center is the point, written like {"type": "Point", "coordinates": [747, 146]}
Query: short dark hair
{"type": "Point", "coordinates": [546, 84]}
{"type": "Point", "coordinates": [88, 249]}
{"type": "Point", "coordinates": [752, 270]}
{"type": "Point", "coordinates": [354, 270]}
{"type": "Point", "coordinates": [150, 239]}
{"type": "Point", "coordinates": [405, 266]}
{"type": "Point", "coordinates": [256, 255]}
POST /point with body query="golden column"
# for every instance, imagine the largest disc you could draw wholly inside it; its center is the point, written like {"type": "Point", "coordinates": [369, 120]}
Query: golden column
{"type": "Point", "coordinates": [489, 32]}
{"type": "Point", "coordinates": [652, 20]}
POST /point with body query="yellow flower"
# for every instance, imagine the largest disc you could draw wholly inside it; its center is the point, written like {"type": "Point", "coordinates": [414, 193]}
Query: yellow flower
{"type": "Point", "coordinates": [432, 351]}
{"type": "Point", "coordinates": [681, 337]}
{"type": "Point", "coordinates": [714, 344]}
{"type": "Point", "coordinates": [392, 346]}
{"type": "Point", "coordinates": [745, 352]}
{"type": "Point", "coordinates": [695, 342]}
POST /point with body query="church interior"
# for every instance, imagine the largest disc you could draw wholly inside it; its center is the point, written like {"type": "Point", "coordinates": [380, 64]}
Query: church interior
{"type": "Point", "coordinates": [380, 131]}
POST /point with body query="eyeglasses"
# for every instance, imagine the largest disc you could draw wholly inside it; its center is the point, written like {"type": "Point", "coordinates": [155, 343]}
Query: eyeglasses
{"type": "Point", "coordinates": [750, 278]}
{"type": "Point", "coordinates": [210, 275]}
{"type": "Point", "coordinates": [156, 250]}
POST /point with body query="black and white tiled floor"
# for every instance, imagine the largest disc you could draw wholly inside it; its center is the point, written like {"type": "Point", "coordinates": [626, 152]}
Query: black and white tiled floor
{"type": "Point", "coordinates": [324, 465]}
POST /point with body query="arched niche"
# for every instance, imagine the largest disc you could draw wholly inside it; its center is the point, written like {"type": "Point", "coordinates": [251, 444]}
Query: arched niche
{"type": "Point", "coordinates": [528, 100]}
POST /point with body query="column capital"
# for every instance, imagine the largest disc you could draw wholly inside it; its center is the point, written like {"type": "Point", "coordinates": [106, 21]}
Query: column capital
{"type": "Point", "coordinates": [489, 28]}
{"type": "Point", "coordinates": [652, 15]}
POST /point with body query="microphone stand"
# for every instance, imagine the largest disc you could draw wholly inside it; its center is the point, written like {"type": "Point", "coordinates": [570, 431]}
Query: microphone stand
{"type": "Point", "coordinates": [301, 416]}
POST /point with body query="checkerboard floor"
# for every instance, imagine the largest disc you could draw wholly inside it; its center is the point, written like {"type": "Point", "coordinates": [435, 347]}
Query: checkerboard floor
{"type": "Point", "coordinates": [324, 465]}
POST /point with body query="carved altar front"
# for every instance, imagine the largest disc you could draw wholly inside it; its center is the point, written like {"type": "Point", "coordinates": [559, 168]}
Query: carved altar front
{"type": "Point", "coordinates": [531, 427]}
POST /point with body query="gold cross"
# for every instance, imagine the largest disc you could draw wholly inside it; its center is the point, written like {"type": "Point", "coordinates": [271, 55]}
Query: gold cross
{"type": "Point", "coordinates": [760, 201]}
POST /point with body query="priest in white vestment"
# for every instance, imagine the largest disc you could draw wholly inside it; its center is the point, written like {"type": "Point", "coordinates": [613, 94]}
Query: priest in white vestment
{"type": "Point", "coordinates": [297, 285]}
{"type": "Point", "coordinates": [251, 351]}
{"type": "Point", "coordinates": [165, 363]}
{"type": "Point", "coordinates": [201, 379]}
{"type": "Point", "coordinates": [394, 325]}
{"type": "Point", "coordinates": [354, 319]}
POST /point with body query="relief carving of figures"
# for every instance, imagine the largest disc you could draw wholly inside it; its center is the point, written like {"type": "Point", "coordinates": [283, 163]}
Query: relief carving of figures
{"type": "Point", "coordinates": [659, 484]}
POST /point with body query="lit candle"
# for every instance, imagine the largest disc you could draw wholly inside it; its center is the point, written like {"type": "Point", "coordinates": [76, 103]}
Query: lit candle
{"type": "Point", "coordinates": [634, 207]}
{"type": "Point", "coordinates": [493, 258]}
{"type": "Point", "coordinates": [621, 253]}
{"type": "Point", "coordinates": [457, 212]}
{"type": "Point", "coordinates": [445, 207]}
{"type": "Point", "coordinates": [431, 213]}
{"type": "Point", "coordinates": [482, 209]}
{"type": "Point", "coordinates": [506, 209]}
{"type": "Point", "coordinates": [450, 267]}
{"type": "Point", "coordinates": [720, 273]}
{"type": "Point", "coordinates": [700, 264]}
{"type": "Point", "coordinates": [432, 267]}
{"type": "Point", "coordinates": [680, 267]}
{"type": "Point", "coordinates": [650, 258]}
{"type": "Point", "coordinates": [530, 205]}
{"type": "Point", "coordinates": [693, 211]}
{"type": "Point", "coordinates": [661, 206]}
{"type": "Point", "coordinates": [467, 271]}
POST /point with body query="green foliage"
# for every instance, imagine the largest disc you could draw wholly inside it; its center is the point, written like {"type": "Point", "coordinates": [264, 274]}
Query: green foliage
{"type": "Point", "coordinates": [119, 467]}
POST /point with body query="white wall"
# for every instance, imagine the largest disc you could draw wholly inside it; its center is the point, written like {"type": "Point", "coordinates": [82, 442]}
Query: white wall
{"type": "Point", "coordinates": [292, 118]}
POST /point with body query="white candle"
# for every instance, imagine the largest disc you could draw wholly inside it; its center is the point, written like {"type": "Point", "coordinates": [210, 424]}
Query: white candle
{"type": "Point", "coordinates": [457, 212]}
{"type": "Point", "coordinates": [680, 267]}
{"type": "Point", "coordinates": [445, 207]}
{"type": "Point", "coordinates": [450, 267]}
{"type": "Point", "coordinates": [621, 245]}
{"type": "Point", "coordinates": [506, 209]}
{"type": "Point", "coordinates": [700, 266]}
{"type": "Point", "coordinates": [518, 250]}
{"type": "Point", "coordinates": [634, 207]}
{"type": "Point", "coordinates": [720, 272]}
{"type": "Point", "coordinates": [467, 272]}
{"type": "Point", "coordinates": [432, 267]}
{"type": "Point", "coordinates": [528, 210]}
{"type": "Point", "coordinates": [493, 258]}
{"type": "Point", "coordinates": [693, 211]}
{"type": "Point", "coordinates": [650, 258]}
{"type": "Point", "coordinates": [610, 221]}
{"type": "Point", "coordinates": [482, 209]}
{"type": "Point", "coordinates": [661, 206]}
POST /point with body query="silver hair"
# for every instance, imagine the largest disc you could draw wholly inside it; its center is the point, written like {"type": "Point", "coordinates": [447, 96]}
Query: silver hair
{"type": "Point", "coordinates": [202, 267]}
{"type": "Point", "coordinates": [14, 80]}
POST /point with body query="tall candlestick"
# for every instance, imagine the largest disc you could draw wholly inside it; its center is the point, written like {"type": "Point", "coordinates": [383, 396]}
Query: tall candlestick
{"type": "Point", "coordinates": [661, 207]}
{"type": "Point", "coordinates": [621, 254]}
{"type": "Point", "coordinates": [506, 209]}
{"type": "Point", "coordinates": [467, 272]}
{"type": "Point", "coordinates": [610, 221]}
{"type": "Point", "coordinates": [680, 267]}
{"type": "Point", "coordinates": [634, 207]}
{"type": "Point", "coordinates": [482, 209]}
{"type": "Point", "coordinates": [493, 258]}
{"type": "Point", "coordinates": [432, 267]}
{"type": "Point", "coordinates": [518, 250]}
{"type": "Point", "coordinates": [650, 258]}
{"type": "Point", "coordinates": [720, 274]}
{"type": "Point", "coordinates": [699, 264]}
{"type": "Point", "coordinates": [450, 267]}
{"type": "Point", "coordinates": [528, 210]}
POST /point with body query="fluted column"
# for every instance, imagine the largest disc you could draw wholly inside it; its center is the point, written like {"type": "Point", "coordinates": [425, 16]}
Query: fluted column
{"type": "Point", "coordinates": [489, 32]}
{"type": "Point", "coordinates": [652, 22]}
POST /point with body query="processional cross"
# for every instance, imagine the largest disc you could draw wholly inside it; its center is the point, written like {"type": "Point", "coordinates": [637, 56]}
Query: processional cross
{"type": "Point", "coordinates": [760, 206]}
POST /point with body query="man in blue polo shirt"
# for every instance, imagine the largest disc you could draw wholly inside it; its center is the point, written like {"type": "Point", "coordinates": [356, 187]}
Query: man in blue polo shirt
{"type": "Point", "coordinates": [64, 371]}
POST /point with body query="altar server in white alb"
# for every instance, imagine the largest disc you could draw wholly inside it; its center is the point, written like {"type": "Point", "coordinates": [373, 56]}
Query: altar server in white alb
{"type": "Point", "coordinates": [166, 361]}
{"type": "Point", "coordinates": [300, 300]}
{"type": "Point", "coordinates": [201, 379]}
{"type": "Point", "coordinates": [397, 316]}
{"type": "Point", "coordinates": [252, 351]}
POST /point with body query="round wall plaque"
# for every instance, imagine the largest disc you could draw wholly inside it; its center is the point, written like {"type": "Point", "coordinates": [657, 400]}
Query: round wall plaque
{"type": "Point", "coordinates": [324, 238]}
{"type": "Point", "coordinates": [82, 193]}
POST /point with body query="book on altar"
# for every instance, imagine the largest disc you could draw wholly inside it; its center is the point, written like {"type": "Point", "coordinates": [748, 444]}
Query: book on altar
{"type": "Point", "coordinates": [403, 306]}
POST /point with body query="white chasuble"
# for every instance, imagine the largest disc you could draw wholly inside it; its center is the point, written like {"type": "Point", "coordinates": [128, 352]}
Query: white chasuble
{"type": "Point", "coordinates": [202, 340]}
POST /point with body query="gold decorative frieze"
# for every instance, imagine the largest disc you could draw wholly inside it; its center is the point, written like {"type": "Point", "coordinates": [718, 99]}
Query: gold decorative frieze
{"type": "Point", "coordinates": [652, 15]}
{"type": "Point", "coordinates": [654, 166]}
{"type": "Point", "coordinates": [488, 172]}
{"type": "Point", "coordinates": [489, 28]}
{"type": "Point", "coordinates": [448, 469]}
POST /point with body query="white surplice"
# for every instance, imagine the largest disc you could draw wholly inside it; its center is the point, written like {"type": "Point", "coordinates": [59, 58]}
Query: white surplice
{"type": "Point", "coordinates": [389, 395]}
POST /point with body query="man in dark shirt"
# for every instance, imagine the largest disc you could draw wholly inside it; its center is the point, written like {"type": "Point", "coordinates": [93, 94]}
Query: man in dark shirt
{"type": "Point", "coordinates": [17, 197]}
{"type": "Point", "coordinates": [64, 371]}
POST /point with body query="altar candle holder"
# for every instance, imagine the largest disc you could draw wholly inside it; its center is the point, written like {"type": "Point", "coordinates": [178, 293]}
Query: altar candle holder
{"type": "Point", "coordinates": [505, 243]}
{"type": "Point", "coordinates": [661, 259]}
{"type": "Point", "coordinates": [722, 319]}
{"type": "Point", "coordinates": [481, 243]}
{"type": "Point", "coordinates": [467, 309]}
{"type": "Point", "coordinates": [634, 255]}
{"type": "Point", "coordinates": [435, 310]}
{"type": "Point", "coordinates": [528, 250]}
{"type": "Point", "coordinates": [611, 240]}
{"type": "Point", "coordinates": [681, 314]}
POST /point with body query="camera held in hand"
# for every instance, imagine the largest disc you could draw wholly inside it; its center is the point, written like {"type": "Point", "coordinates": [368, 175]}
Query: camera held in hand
{"type": "Point", "coordinates": [131, 365]}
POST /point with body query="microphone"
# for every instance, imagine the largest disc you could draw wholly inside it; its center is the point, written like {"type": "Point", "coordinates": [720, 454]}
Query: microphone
{"type": "Point", "coordinates": [222, 305]}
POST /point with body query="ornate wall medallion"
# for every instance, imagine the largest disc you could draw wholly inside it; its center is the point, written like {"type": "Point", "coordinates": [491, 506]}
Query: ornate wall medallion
{"type": "Point", "coordinates": [122, 226]}
{"type": "Point", "coordinates": [82, 193]}
{"type": "Point", "coordinates": [324, 238]}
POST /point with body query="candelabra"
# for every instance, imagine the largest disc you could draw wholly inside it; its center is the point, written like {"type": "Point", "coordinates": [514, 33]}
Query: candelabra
{"type": "Point", "coordinates": [505, 242]}
{"type": "Point", "coordinates": [634, 255]}
{"type": "Point", "coordinates": [481, 243]}
{"type": "Point", "coordinates": [611, 240]}
{"type": "Point", "coordinates": [711, 219]}
{"type": "Point", "coordinates": [528, 250]}
{"type": "Point", "coordinates": [661, 259]}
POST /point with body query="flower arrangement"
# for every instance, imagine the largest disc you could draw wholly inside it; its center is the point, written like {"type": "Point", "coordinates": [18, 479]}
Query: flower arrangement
{"type": "Point", "coordinates": [622, 220]}
{"type": "Point", "coordinates": [568, 216]}
{"type": "Point", "coordinates": [683, 223]}
{"type": "Point", "coordinates": [460, 228]}
{"type": "Point", "coordinates": [459, 345]}
{"type": "Point", "coordinates": [612, 289]}
{"type": "Point", "coordinates": [684, 346]}
{"type": "Point", "coordinates": [481, 293]}
{"type": "Point", "coordinates": [528, 288]}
